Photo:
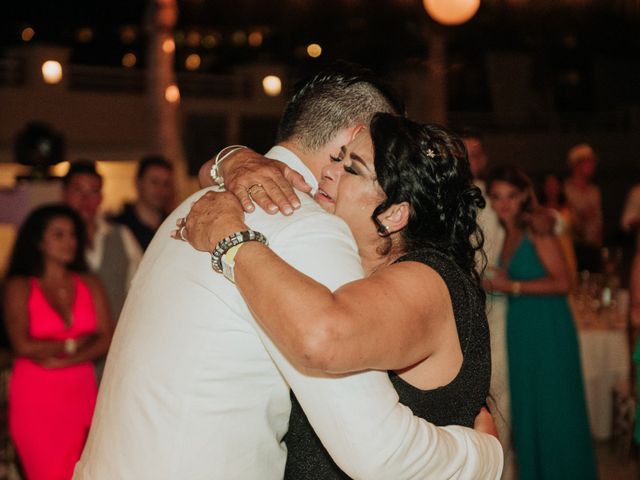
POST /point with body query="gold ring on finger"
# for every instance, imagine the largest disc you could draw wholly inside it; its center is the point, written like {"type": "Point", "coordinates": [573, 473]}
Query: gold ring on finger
{"type": "Point", "coordinates": [252, 188]}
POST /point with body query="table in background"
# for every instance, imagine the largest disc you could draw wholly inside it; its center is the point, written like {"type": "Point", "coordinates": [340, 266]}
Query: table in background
{"type": "Point", "coordinates": [604, 352]}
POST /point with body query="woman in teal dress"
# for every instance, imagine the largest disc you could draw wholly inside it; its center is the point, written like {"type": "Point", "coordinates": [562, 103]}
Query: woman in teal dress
{"type": "Point", "coordinates": [550, 424]}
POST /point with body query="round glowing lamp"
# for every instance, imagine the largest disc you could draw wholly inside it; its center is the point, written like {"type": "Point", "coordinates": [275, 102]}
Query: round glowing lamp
{"type": "Point", "coordinates": [314, 50]}
{"type": "Point", "coordinates": [168, 45]}
{"type": "Point", "coordinates": [172, 94]}
{"type": "Point", "coordinates": [255, 39]}
{"type": "Point", "coordinates": [192, 62]}
{"type": "Point", "coordinates": [27, 34]}
{"type": "Point", "coordinates": [51, 72]}
{"type": "Point", "coordinates": [451, 12]}
{"type": "Point", "coordinates": [272, 85]}
{"type": "Point", "coordinates": [129, 60]}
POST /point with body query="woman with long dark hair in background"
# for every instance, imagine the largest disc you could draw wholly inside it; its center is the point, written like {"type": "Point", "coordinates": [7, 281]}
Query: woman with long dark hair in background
{"type": "Point", "coordinates": [58, 321]}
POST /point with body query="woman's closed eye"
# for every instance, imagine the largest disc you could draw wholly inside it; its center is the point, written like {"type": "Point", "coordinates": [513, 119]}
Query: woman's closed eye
{"type": "Point", "coordinates": [335, 159]}
{"type": "Point", "coordinates": [350, 169]}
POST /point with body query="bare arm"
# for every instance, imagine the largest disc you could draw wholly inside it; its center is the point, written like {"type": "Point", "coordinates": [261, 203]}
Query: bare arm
{"type": "Point", "coordinates": [16, 315]}
{"type": "Point", "coordinates": [630, 219]}
{"type": "Point", "coordinates": [556, 281]}
{"type": "Point", "coordinates": [599, 216]}
{"type": "Point", "coordinates": [634, 291]}
{"type": "Point", "coordinates": [541, 221]}
{"type": "Point", "coordinates": [244, 168]}
{"type": "Point", "coordinates": [363, 324]}
{"type": "Point", "coordinates": [382, 322]}
{"type": "Point", "coordinates": [358, 417]}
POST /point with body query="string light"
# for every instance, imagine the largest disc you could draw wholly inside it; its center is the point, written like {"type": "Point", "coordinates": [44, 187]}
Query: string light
{"type": "Point", "coordinates": [255, 39]}
{"type": "Point", "coordinates": [168, 45]}
{"type": "Point", "coordinates": [172, 94]}
{"type": "Point", "coordinates": [129, 60]}
{"type": "Point", "coordinates": [314, 50]}
{"type": "Point", "coordinates": [192, 62]}
{"type": "Point", "coordinates": [27, 34]}
{"type": "Point", "coordinates": [52, 72]}
{"type": "Point", "coordinates": [84, 34]}
{"type": "Point", "coordinates": [272, 85]}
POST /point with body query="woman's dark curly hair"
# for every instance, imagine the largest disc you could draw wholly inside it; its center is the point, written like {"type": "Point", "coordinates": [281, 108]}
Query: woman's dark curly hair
{"type": "Point", "coordinates": [427, 166]}
{"type": "Point", "coordinates": [27, 259]}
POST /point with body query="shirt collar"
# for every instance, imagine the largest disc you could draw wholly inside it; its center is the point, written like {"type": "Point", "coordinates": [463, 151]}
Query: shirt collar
{"type": "Point", "coordinates": [294, 162]}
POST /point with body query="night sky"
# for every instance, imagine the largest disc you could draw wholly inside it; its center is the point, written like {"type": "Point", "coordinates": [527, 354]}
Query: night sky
{"type": "Point", "coordinates": [565, 42]}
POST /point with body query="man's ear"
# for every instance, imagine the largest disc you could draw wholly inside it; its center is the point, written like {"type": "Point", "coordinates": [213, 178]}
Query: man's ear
{"type": "Point", "coordinates": [356, 130]}
{"type": "Point", "coordinates": [396, 217]}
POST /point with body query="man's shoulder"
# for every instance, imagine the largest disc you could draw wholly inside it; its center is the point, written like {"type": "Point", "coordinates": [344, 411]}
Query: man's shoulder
{"type": "Point", "coordinates": [309, 217]}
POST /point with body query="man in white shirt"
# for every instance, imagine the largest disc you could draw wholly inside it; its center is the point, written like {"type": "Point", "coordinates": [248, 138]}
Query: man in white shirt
{"type": "Point", "coordinates": [193, 388]}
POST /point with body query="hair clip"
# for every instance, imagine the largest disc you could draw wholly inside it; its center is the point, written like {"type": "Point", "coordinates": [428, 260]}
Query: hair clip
{"type": "Point", "coordinates": [430, 153]}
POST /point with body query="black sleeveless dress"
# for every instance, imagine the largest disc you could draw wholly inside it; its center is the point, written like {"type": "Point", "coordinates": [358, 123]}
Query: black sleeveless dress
{"type": "Point", "coordinates": [454, 404]}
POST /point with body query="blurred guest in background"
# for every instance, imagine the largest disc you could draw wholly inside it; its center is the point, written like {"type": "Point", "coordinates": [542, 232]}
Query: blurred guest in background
{"type": "Point", "coordinates": [57, 318]}
{"type": "Point", "coordinates": [154, 183]}
{"type": "Point", "coordinates": [630, 220]}
{"type": "Point", "coordinates": [553, 198]}
{"type": "Point", "coordinates": [634, 316]}
{"type": "Point", "coordinates": [112, 251]}
{"type": "Point", "coordinates": [551, 432]}
{"type": "Point", "coordinates": [496, 305]}
{"type": "Point", "coordinates": [585, 202]}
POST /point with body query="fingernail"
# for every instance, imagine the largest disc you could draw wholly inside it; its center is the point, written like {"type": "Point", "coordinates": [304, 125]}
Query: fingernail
{"type": "Point", "coordinates": [273, 208]}
{"type": "Point", "coordinates": [296, 204]}
{"type": "Point", "coordinates": [287, 210]}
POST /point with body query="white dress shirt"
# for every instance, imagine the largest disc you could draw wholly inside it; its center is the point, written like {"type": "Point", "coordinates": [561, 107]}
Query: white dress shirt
{"type": "Point", "coordinates": [190, 391]}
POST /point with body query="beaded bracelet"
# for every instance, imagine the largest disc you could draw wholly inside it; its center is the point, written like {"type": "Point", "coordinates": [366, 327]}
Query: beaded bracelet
{"type": "Point", "coordinates": [232, 240]}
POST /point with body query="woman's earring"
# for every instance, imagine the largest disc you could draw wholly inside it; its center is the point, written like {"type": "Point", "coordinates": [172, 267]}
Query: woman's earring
{"type": "Point", "coordinates": [383, 230]}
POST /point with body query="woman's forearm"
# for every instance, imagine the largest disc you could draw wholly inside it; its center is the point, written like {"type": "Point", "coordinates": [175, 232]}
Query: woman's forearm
{"type": "Point", "coordinates": [94, 348]}
{"type": "Point", "coordinates": [541, 286]}
{"type": "Point", "coordinates": [297, 312]}
{"type": "Point", "coordinates": [38, 349]}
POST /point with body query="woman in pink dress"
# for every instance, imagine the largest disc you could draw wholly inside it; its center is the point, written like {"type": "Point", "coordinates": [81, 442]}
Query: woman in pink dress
{"type": "Point", "coordinates": [58, 322]}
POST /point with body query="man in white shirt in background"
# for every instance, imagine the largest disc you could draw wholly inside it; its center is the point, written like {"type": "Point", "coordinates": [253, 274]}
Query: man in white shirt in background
{"type": "Point", "coordinates": [113, 253]}
{"type": "Point", "coordinates": [190, 391]}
